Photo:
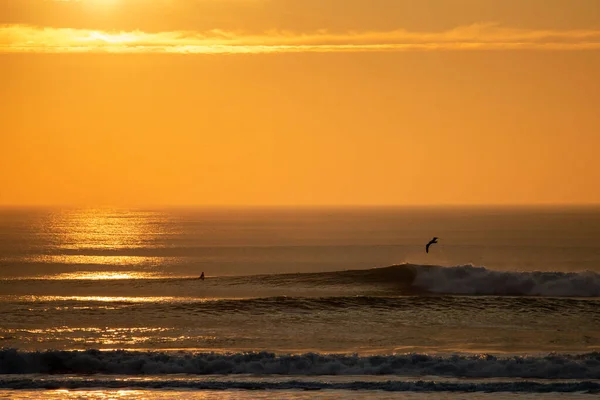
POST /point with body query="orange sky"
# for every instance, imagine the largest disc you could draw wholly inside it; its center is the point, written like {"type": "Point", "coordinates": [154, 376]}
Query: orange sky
{"type": "Point", "coordinates": [299, 102]}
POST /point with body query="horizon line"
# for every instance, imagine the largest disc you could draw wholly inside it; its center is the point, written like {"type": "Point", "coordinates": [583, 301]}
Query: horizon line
{"type": "Point", "coordinates": [299, 206]}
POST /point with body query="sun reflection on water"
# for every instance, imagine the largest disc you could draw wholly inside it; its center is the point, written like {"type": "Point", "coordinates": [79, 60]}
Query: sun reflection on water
{"type": "Point", "coordinates": [119, 299]}
{"type": "Point", "coordinates": [104, 275]}
{"type": "Point", "coordinates": [103, 237]}
{"type": "Point", "coordinates": [96, 259]}
{"type": "Point", "coordinates": [106, 229]}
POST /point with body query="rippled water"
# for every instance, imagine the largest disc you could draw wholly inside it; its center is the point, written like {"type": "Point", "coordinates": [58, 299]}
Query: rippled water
{"type": "Point", "coordinates": [515, 285]}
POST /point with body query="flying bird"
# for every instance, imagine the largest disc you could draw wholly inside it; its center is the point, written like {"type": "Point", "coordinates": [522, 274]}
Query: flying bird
{"type": "Point", "coordinates": [432, 241]}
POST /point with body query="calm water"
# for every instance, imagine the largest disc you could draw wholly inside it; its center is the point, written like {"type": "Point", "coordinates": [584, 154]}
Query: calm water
{"type": "Point", "coordinates": [344, 301]}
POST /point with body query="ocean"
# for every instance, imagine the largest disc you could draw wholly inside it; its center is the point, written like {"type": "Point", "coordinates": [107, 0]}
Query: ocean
{"type": "Point", "coordinates": [300, 303]}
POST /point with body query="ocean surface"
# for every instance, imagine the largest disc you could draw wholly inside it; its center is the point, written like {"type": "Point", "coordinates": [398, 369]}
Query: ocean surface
{"type": "Point", "coordinates": [300, 303]}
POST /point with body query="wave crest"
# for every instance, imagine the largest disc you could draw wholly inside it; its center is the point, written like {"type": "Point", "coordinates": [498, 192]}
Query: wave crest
{"type": "Point", "coordinates": [54, 383]}
{"type": "Point", "coordinates": [464, 279]}
{"type": "Point", "coordinates": [585, 366]}
{"type": "Point", "coordinates": [468, 279]}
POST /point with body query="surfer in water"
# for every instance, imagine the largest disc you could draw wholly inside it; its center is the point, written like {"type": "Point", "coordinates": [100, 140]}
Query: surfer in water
{"type": "Point", "coordinates": [432, 241]}
{"type": "Point", "coordinates": [202, 276]}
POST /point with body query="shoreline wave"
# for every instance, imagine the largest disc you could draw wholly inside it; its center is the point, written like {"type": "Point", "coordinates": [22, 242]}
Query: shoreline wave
{"type": "Point", "coordinates": [588, 387]}
{"type": "Point", "coordinates": [122, 362]}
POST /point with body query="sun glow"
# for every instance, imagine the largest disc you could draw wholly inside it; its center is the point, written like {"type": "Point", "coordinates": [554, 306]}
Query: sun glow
{"type": "Point", "coordinates": [100, 3]}
{"type": "Point", "coordinates": [26, 38]}
{"type": "Point", "coordinates": [274, 103]}
{"type": "Point", "coordinates": [113, 38]}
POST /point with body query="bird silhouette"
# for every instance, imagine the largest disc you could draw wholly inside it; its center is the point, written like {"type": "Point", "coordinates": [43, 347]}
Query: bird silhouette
{"type": "Point", "coordinates": [432, 241]}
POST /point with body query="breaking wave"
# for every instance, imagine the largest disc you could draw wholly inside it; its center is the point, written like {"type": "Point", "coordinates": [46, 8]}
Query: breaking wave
{"type": "Point", "coordinates": [465, 279]}
{"type": "Point", "coordinates": [469, 279]}
{"type": "Point", "coordinates": [388, 386]}
{"type": "Point", "coordinates": [404, 279]}
{"type": "Point", "coordinates": [553, 366]}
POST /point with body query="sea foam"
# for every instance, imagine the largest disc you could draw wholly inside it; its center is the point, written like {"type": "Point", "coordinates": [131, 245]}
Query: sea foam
{"type": "Point", "coordinates": [585, 366]}
{"type": "Point", "coordinates": [469, 279]}
{"type": "Point", "coordinates": [294, 384]}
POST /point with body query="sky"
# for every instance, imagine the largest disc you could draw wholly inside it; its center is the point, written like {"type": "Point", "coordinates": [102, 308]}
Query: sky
{"type": "Point", "coordinates": [299, 102]}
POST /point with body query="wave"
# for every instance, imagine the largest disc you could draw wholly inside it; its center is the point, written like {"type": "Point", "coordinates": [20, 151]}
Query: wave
{"type": "Point", "coordinates": [469, 279]}
{"type": "Point", "coordinates": [553, 366]}
{"type": "Point", "coordinates": [404, 279]}
{"type": "Point", "coordinates": [388, 386]}
{"type": "Point", "coordinates": [464, 280]}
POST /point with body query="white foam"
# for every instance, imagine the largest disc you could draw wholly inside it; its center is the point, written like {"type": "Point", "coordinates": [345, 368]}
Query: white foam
{"type": "Point", "coordinates": [586, 366]}
{"type": "Point", "coordinates": [54, 382]}
{"type": "Point", "coordinates": [468, 279]}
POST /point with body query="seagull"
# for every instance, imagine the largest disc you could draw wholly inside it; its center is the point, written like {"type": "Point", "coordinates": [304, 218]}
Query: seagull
{"type": "Point", "coordinates": [432, 241]}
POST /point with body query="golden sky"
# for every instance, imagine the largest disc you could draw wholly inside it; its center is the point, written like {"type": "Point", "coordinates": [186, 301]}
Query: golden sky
{"type": "Point", "coordinates": [299, 102]}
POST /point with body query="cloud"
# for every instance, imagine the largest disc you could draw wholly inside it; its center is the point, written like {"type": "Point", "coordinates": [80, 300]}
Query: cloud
{"type": "Point", "coordinates": [33, 39]}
